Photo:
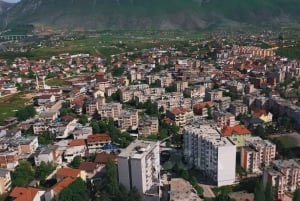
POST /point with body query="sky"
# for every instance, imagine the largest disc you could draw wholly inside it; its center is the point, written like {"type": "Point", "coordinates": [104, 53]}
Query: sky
{"type": "Point", "coordinates": [11, 1]}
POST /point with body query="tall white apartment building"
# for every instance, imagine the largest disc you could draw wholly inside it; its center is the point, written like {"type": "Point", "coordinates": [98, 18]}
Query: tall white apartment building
{"type": "Point", "coordinates": [138, 166]}
{"type": "Point", "coordinates": [206, 150]}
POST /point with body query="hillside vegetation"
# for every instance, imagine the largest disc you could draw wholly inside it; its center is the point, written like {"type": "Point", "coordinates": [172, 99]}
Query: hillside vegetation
{"type": "Point", "coordinates": [154, 14]}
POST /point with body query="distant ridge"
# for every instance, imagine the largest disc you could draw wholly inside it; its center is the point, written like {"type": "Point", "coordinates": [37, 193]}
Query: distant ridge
{"type": "Point", "coordinates": [4, 6]}
{"type": "Point", "coordinates": [151, 14]}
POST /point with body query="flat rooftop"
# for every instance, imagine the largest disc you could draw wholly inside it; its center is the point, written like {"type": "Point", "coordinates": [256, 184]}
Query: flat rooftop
{"type": "Point", "coordinates": [209, 133]}
{"type": "Point", "coordinates": [138, 149]}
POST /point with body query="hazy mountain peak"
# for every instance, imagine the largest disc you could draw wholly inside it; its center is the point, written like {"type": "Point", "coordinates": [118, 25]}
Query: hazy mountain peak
{"type": "Point", "coordinates": [154, 14]}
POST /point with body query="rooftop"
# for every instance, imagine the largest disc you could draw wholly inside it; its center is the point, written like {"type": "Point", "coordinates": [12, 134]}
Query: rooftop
{"type": "Point", "coordinates": [58, 187]}
{"type": "Point", "coordinates": [68, 172]}
{"type": "Point", "coordinates": [77, 142]}
{"type": "Point", "coordinates": [98, 137]}
{"type": "Point", "coordinates": [138, 149]}
{"type": "Point", "coordinates": [23, 194]}
{"type": "Point", "coordinates": [237, 129]}
{"type": "Point", "coordinates": [209, 133]}
{"type": "Point", "coordinates": [257, 141]}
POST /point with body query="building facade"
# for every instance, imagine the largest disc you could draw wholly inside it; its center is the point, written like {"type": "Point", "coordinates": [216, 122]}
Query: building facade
{"type": "Point", "coordinates": [207, 151]}
{"type": "Point", "coordinates": [138, 166]}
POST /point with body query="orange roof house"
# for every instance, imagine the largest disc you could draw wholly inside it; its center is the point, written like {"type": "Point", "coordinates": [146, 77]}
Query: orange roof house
{"type": "Point", "coordinates": [58, 187]}
{"type": "Point", "coordinates": [77, 142]}
{"type": "Point", "coordinates": [236, 134]}
{"type": "Point", "coordinates": [26, 194]}
{"type": "Point", "coordinates": [99, 138]}
{"type": "Point", "coordinates": [102, 158]}
{"type": "Point", "coordinates": [70, 172]}
{"type": "Point", "coordinates": [237, 130]}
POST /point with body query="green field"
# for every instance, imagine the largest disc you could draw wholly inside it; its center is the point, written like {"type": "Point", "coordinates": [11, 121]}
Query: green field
{"type": "Point", "coordinates": [56, 82]}
{"type": "Point", "coordinates": [287, 142]}
{"type": "Point", "coordinates": [11, 103]}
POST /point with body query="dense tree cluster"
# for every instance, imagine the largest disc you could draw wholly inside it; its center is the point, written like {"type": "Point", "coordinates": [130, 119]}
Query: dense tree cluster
{"type": "Point", "coordinates": [25, 113]}
{"type": "Point", "coordinates": [264, 193]}
{"type": "Point", "coordinates": [107, 126]}
{"type": "Point", "coordinates": [25, 173]}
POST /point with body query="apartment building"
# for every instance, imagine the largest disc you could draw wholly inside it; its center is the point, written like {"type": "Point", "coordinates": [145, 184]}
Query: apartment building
{"type": "Point", "coordinates": [284, 176]}
{"type": "Point", "coordinates": [180, 115]}
{"type": "Point", "coordinates": [195, 91]}
{"type": "Point", "coordinates": [5, 181]}
{"type": "Point", "coordinates": [128, 120]}
{"type": "Point", "coordinates": [148, 126]}
{"type": "Point", "coordinates": [9, 160]}
{"type": "Point", "coordinates": [28, 145]}
{"type": "Point", "coordinates": [206, 150]}
{"type": "Point", "coordinates": [138, 166]}
{"type": "Point", "coordinates": [225, 119]}
{"type": "Point", "coordinates": [91, 106]}
{"type": "Point", "coordinates": [112, 110]}
{"type": "Point", "coordinates": [223, 103]}
{"type": "Point", "coordinates": [213, 95]}
{"type": "Point", "coordinates": [200, 109]}
{"type": "Point", "coordinates": [238, 107]}
{"type": "Point", "coordinates": [39, 128]}
{"type": "Point", "coordinates": [181, 86]}
{"type": "Point", "coordinates": [256, 154]}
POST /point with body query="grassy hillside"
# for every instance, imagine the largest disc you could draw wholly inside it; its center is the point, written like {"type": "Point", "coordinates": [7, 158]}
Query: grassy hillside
{"type": "Point", "coordinates": [154, 14]}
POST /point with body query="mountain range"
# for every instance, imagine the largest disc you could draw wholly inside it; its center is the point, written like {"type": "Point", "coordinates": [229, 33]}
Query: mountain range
{"type": "Point", "coordinates": [150, 14]}
{"type": "Point", "coordinates": [4, 6]}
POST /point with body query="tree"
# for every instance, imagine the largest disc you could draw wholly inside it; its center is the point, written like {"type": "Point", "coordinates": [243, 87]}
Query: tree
{"type": "Point", "coordinates": [83, 119]}
{"type": "Point", "coordinates": [44, 170]}
{"type": "Point", "coordinates": [209, 111]}
{"type": "Point", "coordinates": [184, 174]}
{"type": "Point", "coordinates": [112, 185]}
{"type": "Point", "coordinates": [46, 138]}
{"type": "Point", "coordinates": [134, 195]}
{"type": "Point", "coordinates": [224, 196]}
{"type": "Point", "coordinates": [23, 174]}
{"type": "Point", "coordinates": [76, 162]}
{"type": "Point", "coordinates": [260, 131]}
{"type": "Point", "coordinates": [269, 192]}
{"type": "Point", "coordinates": [75, 191]}
{"type": "Point", "coordinates": [297, 195]}
{"type": "Point", "coordinates": [25, 113]}
{"type": "Point", "coordinates": [259, 192]}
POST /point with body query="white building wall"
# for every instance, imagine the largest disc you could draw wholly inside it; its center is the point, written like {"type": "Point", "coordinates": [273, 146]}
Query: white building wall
{"type": "Point", "coordinates": [124, 172]}
{"type": "Point", "coordinates": [138, 174]}
{"type": "Point", "coordinates": [226, 165]}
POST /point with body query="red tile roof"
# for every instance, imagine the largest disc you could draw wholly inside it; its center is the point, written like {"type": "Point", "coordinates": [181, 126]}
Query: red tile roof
{"type": "Point", "coordinates": [98, 138]}
{"type": "Point", "coordinates": [24, 194]}
{"type": "Point", "coordinates": [58, 187]}
{"type": "Point", "coordinates": [257, 113]}
{"type": "Point", "coordinates": [238, 129]}
{"type": "Point", "coordinates": [178, 110]}
{"type": "Point", "coordinates": [88, 166]}
{"type": "Point", "coordinates": [68, 172]}
{"type": "Point", "coordinates": [102, 158]}
{"type": "Point", "coordinates": [77, 142]}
